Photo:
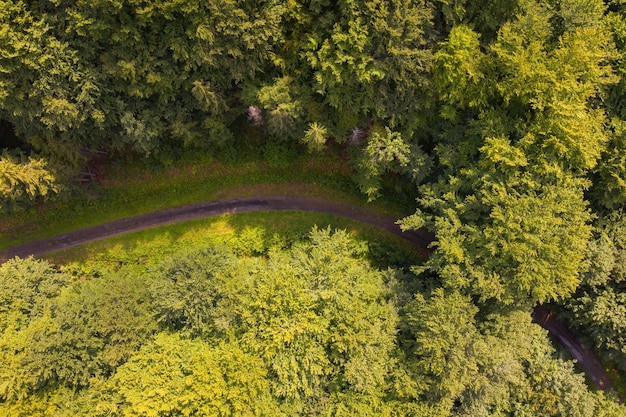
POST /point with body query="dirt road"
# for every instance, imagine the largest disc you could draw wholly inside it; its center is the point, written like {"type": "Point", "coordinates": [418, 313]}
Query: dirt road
{"type": "Point", "coordinates": [586, 359]}
{"type": "Point", "coordinates": [212, 208]}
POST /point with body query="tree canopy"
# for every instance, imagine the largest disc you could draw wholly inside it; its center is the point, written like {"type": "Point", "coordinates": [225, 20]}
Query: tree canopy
{"type": "Point", "coordinates": [312, 329]}
{"type": "Point", "coordinates": [505, 119]}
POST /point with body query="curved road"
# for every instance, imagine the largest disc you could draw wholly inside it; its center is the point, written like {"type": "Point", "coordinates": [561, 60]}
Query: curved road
{"type": "Point", "coordinates": [213, 208]}
{"type": "Point", "coordinates": [583, 355]}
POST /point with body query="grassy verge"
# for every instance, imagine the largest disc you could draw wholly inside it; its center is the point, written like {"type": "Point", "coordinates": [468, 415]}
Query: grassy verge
{"type": "Point", "coordinates": [246, 234]}
{"type": "Point", "coordinates": [134, 187]}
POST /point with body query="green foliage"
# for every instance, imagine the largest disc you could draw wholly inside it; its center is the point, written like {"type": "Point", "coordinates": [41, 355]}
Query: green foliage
{"type": "Point", "coordinates": [315, 137]}
{"type": "Point", "coordinates": [343, 65]}
{"type": "Point", "coordinates": [309, 352]}
{"type": "Point", "coordinates": [283, 108]}
{"type": "Point", "coordinates": [86, 332]}
{"type": "Point", "coordinates": [278, 153]}
{"type": "Point", "coordinates": [308, 330]}
{"type": "Point", "coordinates": [512, 111]}
{"type": "Point", "coordinates": [363, 59]}
{"type": "Point", "coordinates": [558, 391]}
{"type": "Point", "coordinates": [145, 77]}
{"type": "Point", "coordinates": [249, 241]}
{"type": "Point", "coordinates": [495, 363]}
{"type": "Point", "coordinates": [24, 179]}
{"type": "Point", "coordinates": [609, 177]}
{"type": "Point", "coordinates": [177, 376]}
{"type": "Point", "coordinates": [598, 308]}
{"type": "Point", "coordinates": [188, 288]}
{"type": "Point", "coordinates": [444, 329]}
{"type": "Point", "coordinates": [26, 287]}
{"type": "Point", "coordinates": [384, 152]}
{"type": "Point", "coordinates": [457, 71]}
{"type": "Point", "coordinates": [508, 204]}
{"type": "Point", "coordinates": [316, 315]}
{"type": "Point", "coordinates": [487, 16]}
{"type": "Point", "coordinates": [129, 75]}
{"type": "Point", "coordinates": [528, 246]}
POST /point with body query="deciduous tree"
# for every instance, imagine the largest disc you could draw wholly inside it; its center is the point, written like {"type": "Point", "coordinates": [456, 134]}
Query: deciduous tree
{"type": "Point", "coordinates": [508, 205]}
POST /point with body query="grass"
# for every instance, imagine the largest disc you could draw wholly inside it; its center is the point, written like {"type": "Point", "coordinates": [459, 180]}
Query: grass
{"type": "Point", "coordinates": [134, 187]}
{"type": "Point", "coordinates": [246, 234]}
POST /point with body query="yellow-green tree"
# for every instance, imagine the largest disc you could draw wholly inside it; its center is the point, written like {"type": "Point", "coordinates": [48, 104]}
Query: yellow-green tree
{"type": "Point", "coordinates": [23, 179]}
{"type": "Point", "coordinates": [520, 136]}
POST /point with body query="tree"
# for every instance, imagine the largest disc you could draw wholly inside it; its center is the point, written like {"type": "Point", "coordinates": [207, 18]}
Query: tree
{"type": "Point", "coordinates": [319, 280]}
{"type": "Point", "coordinates": [26, 287]}
{"type": "Point", "coordinates": [493, 361]}
{"type": "Point", "coordinates": [508, 204]}
{"type": "Point", "coordinates": [308, 330]}
{"type": "Point", "coordinates": [281, 102]}
{"type": "Point", "coordinates": [598, 308]}
{"type": "Point", "coordinates": [557, 390]}
{"type": "Point", "coordinates": [317, 316]}
{"type": "Point", "coordinates": [458, 71]}
{"type": "Point", "coordinates": [609, 177]}
{"type": "Point", "coordinates": [486, 17]}
{"type": "Point", "coordinates": [315, 137]}
{"type": "Point", "coordinates": [608, 190]}
{"type": "Point", "coordinates": [195, 292]}
{"type": "Point", "coordinates": [444, 329]}
{"type": "Point", "coordinates": [364, 59]}
{"type": "Point", "coordinates": [128, 75]}
{"type": "Point", "coordinates": [178, 376]}
{"type": "Point", "coordinates": [384, 152]}
{"type": "Point", "coordinates": [86, 332]}
{"type": "Point", "coordinates": [516, 247]}
{"type": "Point", "coordinates": [47, 91]}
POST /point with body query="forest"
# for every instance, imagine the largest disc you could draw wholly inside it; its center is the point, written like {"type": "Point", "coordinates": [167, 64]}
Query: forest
{"type": "Point", "coordinates": [503, 120]}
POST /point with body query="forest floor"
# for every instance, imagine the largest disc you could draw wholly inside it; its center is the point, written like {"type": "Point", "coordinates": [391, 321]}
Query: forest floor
{"type": "Point", "coordinates": [587, 361]}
